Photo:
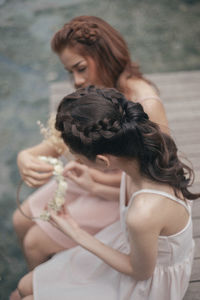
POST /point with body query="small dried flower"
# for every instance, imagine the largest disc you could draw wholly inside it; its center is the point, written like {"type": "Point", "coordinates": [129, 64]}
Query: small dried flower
{"type": "Point", "coordinates": [45, 215]}
{"type": "Point", "coordinates": [52, 135]}
{"type": "Point", "coordinates": [59, 195]}
{"type": "Point", "coordinates": [58, 170]}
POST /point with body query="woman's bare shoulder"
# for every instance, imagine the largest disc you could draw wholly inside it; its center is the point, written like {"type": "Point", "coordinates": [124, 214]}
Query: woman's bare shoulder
{"type": "Point", "coordinates": [145, 210]}
{"type": "Point", "coordinates": [141, 89]}
{"type": "Point", "coordinates": [144, 93]}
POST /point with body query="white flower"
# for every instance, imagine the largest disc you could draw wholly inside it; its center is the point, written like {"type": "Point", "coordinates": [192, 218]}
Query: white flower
{"type": "Point", "coordinates": [59, 196]}
{"type": "Point", "coordinates": [43, 158]}
{"type": "Point", "coordinates": [58, 169]}
{"type": "Point", "coordinates": [62, 186]}
{"type": "Point", "coordinates": [59, 201]}
{"type": "Point", "coordinates": [51, 160]}
{"type": "Point", "coordinates": [45, 215]}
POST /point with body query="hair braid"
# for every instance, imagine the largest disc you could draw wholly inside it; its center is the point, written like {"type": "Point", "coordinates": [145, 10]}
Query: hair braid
{"type": "Point", "coordinates": [96, 121]}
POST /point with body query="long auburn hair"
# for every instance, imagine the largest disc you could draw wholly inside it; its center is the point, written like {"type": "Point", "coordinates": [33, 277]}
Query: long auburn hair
{"type": "Point", "coordinates": [96, 121]}
{"type": "Point", "coordinates": [93, 37]}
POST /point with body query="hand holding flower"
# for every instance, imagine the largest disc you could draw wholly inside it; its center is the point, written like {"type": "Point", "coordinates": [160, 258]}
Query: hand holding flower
{"type": "Point", "coordinates": [65, 223]}
{"type": "Point", "coordinates": [80, 174]}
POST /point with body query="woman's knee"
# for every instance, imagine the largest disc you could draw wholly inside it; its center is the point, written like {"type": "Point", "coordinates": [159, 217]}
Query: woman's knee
{"type": "Point", "coordinates": [25, 285]}
{"type": "Point", "coordinates": [37, 241]}
{"type": "Point", "coordinates": [20, 222]}
{"type": "Point", "coordinates": [17, 219]}
{"type": "Point", "coordinates": [30, 297]}
{"type": "Point", "coordinates": [31, 240]}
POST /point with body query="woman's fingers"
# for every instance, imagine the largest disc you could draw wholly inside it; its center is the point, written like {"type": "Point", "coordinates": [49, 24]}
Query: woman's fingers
{"type": "Point", "coordinates": [75, 167]}
{"type": "Point", "coordinates": [65, 223]}
{"type": "Point", "coordinates": [73, 177]}
{"type": "Point", "coordinates": [34, 183]}
{"type": "Point", "coordinates": [34, 179]}
{"type": "Point", "coordinates": [38, 176]}
{"type": "Point", "coordinates": [58, 221]}
{"type": "Point", "coordinates": [39, 166]}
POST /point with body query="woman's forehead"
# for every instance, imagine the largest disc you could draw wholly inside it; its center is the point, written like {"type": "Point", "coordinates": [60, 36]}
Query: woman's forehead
{"type": "Point", "coordinates": [71, 58]}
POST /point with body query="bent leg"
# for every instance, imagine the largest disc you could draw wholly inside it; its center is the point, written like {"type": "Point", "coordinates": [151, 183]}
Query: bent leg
{"type": "Point", "coordinates": [25, 285]}
{"type": "Point", "coordinates": [28, 298]}
{"type": "Point", "coordinates": [39, 247]}
{"type": "Point", "coordinates": [15, 295]}
{"type": "Point", "coordinates": [21, 223]}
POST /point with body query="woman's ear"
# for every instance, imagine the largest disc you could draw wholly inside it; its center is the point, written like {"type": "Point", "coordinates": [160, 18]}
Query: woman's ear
{"type": "Point", "coordinates": [103, 161]}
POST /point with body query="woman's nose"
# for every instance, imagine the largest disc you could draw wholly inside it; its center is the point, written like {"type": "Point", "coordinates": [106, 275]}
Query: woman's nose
{"type": "Point", "coordinates": [78, 81]}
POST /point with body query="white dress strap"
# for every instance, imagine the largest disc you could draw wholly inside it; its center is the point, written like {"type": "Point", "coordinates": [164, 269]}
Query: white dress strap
{"type": "Point", "coordinates": [152, 191]}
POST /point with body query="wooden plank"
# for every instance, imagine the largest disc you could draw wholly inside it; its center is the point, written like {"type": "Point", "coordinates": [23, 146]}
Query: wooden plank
{"type": "Point", "coordinates": [175, 77]}
{"type": "Point", "coordinates": [196, 208]}
{"type": "Point", "coordinates": [182, 103]}
{"type": "Point", "coordinates": [195, 270]}
{"type": "Point", "coordinates": [180, 127]}
{"type": "Point", "coordinates": [193, 292]}
{"type": "Point", "coordinates": [196, 229]}
{"type": "Point", "coordinates": [197, 250]}
{"type": "Point", "coordinates": [189, 137]}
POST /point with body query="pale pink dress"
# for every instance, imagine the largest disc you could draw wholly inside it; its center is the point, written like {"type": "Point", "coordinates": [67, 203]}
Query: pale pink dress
{"type": "Point", "coordinates": [77, 274]}
{"type": "Point", "coordinates": [91, 212]}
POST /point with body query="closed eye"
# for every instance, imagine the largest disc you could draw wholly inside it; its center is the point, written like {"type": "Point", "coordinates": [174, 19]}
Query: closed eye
{"type": "Point", "coordinates": [80, 70]}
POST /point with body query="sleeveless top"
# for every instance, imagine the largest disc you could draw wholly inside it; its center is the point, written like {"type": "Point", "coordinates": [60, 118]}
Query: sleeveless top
{"type": "Point", "coordinates": [171, 249]}
{"type": "Point", "coordinates": [79, 274]}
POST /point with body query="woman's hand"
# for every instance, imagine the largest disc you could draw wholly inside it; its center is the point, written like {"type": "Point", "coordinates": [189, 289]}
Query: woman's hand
{"type": "Point", "coordinates": [80, 174]}
{"type": "Point", "coordinates": [65, 223]}
{"type": "Point", "coordinates": [117, 260]}
{"type": "Point", "coordinates": [33, 171]}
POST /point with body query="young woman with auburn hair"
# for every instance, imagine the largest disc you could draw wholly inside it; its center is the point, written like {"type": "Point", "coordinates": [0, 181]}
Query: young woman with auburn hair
{"type": "Point", "coordinates": [148, 254]}
{"type": "Point", "coordinates": [94, 53]}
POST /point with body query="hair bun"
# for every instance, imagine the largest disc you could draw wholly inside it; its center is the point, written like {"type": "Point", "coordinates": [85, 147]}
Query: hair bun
{"type": "Point", "coordinates": [86, 33]}
{"type": "Point", "coordinates": [134, 112]}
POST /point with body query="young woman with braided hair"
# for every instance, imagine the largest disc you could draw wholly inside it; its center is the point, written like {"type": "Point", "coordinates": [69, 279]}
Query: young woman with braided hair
{"type": "Point", "coordinates": [94, 53]}
{"type": "Point", "coordinates": [143, 256]}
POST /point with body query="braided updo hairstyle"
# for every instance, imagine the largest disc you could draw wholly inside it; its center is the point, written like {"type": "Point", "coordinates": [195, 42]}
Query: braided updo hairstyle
{"type": "Point", "coordinates": [91, 36]}
{"type": "Point", "coordinates": [96, 121]}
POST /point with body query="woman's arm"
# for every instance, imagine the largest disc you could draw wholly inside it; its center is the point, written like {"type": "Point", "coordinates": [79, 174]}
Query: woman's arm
{"type": "Point", "coordinates": [145, 221]}
{"type": "Point", "coordinates": [81, 175]}
{"type": "Point", "coordinates": [156, 112]}
{"type": "Point", "coordinates": [139, 264]}
{"type": "Point", "coordinates": [117, 260]}
{"type": "Point", "coordinates": [106, 192]}
{"type": "Point", "coordinates": [110, 178]}
{"type": "Point", "coordinates": [44, 148]}
{"type": "Point", "coordinates": [144, 226]}
{"type": "Point", "coordinates": [142, 91]}
{"type": "Point", "coordinates": [33, 171]}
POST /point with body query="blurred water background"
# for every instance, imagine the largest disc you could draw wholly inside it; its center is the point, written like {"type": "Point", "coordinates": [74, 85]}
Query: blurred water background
{"type": "Point", "coordinates": [162, 35]}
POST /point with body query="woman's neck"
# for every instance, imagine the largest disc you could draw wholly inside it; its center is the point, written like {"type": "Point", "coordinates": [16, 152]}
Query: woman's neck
{"type": "Point", "coordinates": [132, 169]}
{"type": "Point", "coordinates": [137, 180]}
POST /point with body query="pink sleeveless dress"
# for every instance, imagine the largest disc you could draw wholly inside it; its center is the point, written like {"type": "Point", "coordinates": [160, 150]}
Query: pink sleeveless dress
{"type": "Point", "coordinates": [92, 213]}
{"type": "Point", "coordinates": [77, 274]}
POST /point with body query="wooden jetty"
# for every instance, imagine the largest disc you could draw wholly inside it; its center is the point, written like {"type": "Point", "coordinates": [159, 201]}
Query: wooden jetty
{"type": "Point", "coordinates": [180, 92]}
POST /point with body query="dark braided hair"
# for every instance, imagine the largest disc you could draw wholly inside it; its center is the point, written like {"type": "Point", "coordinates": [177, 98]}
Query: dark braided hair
{"type": "Point", "coordinates": [96, 121]}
